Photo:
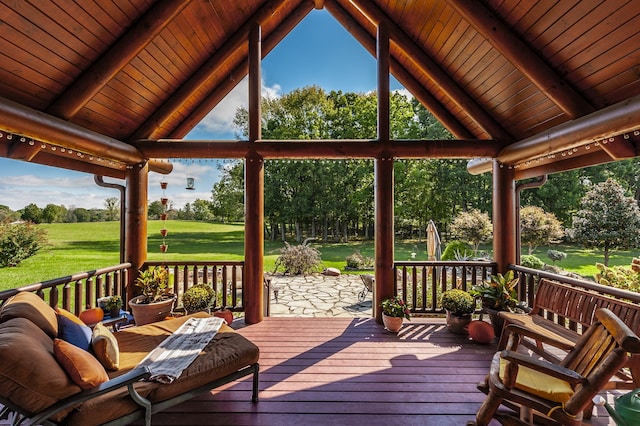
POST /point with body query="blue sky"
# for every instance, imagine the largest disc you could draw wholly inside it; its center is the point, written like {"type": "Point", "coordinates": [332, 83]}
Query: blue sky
{"type": "Point", "coordinates": [319, 51]}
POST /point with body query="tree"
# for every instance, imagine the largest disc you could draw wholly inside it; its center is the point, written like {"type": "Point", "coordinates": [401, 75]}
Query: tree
{"type": "Point", "coordinates": [539, 228]}
{"type": "Point", "coordinates": [112, 206]}
{"type": "Point", "coordinates": [473, 226]}
{"type": "Point", "coordinates": [52, 213]}
{"type": "Point", "coordinates": [31, 213]}
{"type": "Point", "coordinates": [155, 209]}
{"type": "Point", "coordinates": [607, 219]}
{"type": "Point", "coordinates": [202, 210]}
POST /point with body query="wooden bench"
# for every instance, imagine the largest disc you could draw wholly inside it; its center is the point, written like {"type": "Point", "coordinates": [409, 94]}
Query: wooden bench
{"type": "Point", "coordinates": [562, 312]}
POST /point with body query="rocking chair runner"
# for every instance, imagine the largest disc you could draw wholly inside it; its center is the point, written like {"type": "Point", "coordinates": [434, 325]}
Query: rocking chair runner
{"type": "Point", "coordinates": [558, 392]}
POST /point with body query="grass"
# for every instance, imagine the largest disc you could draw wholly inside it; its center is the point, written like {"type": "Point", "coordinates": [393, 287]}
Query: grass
{"type": "Point", "coordinates": [86, 246]}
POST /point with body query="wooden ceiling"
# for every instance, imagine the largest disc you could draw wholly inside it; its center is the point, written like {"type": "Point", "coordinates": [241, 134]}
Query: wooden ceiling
{"type": "Point", "coordinates": [547, 85]}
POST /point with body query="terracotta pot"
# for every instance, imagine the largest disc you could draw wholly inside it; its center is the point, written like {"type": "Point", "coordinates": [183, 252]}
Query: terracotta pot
{"type": "Point", "coordinates": [392, 324]}
{"type": "Point", "coordinates": [164, 248]}
{"type": "Point", "coordinates": [164, 232]}
{"type": "Point", "coordinates": [458, 324]}
{"type": "Point", "coordinates": [145, 313]}
{"type": "Point", "coordinates": [225, 314]}
{"type": "Point", "coordinates": [163, 216]}
{"type": "Point", "coordinates": [163, 185]}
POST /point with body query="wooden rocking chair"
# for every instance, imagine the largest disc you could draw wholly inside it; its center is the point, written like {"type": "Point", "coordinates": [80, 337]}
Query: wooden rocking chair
{"type": "Point", "coordinates": [557, 393]}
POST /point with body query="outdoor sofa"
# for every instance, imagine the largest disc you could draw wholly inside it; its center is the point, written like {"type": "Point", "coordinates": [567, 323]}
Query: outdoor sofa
{"type": "Point", "coordinates": [42, 386]}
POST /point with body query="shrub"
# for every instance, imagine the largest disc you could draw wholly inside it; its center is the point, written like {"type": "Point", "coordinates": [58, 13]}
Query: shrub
{"type": "Point", "coordinates": [458, 302]}
{"type": "Point", "coordinates": [19, 241]}
{"type": "Point", "coordinates": [198, 297]}
{"type": "Point", "coordinates": [531, 261]}
{"type": "Point", "coordinates": [456, 246]}
{"type": "Point", "coordinates": [556, 255]}
{"type": "Point", "coordinates": [298, 260]}
{"type": "Point", "coordinates": [358, 261]}
{"type": "Point", "coordinates": [618, 276]}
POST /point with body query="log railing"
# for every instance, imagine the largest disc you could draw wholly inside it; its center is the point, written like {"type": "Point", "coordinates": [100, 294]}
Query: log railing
{"type": "Point", "coordinates": [529, 278]}
{"type": "Point", "coordinates": [80, 291]}
{"type": "Point", "coordinates": [421, 284]}
{"type": "Point", "coordinates": [226, 278]}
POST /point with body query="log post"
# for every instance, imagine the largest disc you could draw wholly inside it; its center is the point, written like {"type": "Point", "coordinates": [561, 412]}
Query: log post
{"type": "Point", "coordinates": [254, 194]}
{"type": "Point", "coordinates": [383, 183]}
{"type": "Point", "coordinates": [504, 216]}
{"type": "Point", "coordinates": [135, 250]}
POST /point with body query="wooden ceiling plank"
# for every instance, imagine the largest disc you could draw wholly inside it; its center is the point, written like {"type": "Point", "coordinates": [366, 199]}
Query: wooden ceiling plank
{"type": "Point", "coordinates": [432, 69]}
{"type": "Point", "coordinates": [216, 95]}
{"type": "Point", "coordinates": [403, 76]}
{"type": "Point", "coordinates": [116, 58]}
{"type": "Point", "coordinates": [510, 45]}
{"type": "Point", "coordinates": [203, 74]}
{"type": "Point", "coordinates": [23, 149]}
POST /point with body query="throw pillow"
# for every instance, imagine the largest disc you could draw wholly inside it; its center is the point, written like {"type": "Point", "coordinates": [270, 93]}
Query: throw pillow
{"type": "Point", "coordinates": [83, 369]}
{"type": "Point", "coordinates": [105, 347]}
{"type": "Point", "coordinates": [76, 334]}
{"type": "Point", "coordinates": [69, 315]}
{"type": "Point", "coordinates": [30, 306]}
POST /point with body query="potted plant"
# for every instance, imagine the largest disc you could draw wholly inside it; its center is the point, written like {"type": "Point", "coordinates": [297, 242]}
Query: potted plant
{"type": "Point", "coordinates": [112, 305]}
{"type": "Point", "coordinates": [197, 298]}
{"type": "Point", "coordinates": [156, 300]}
{"type": "Point", "coordinates": [459, 306]}
{"type": "Point", "coordinates": [393, 311]}
{"type": "Point", "coordinates": [498, 294]}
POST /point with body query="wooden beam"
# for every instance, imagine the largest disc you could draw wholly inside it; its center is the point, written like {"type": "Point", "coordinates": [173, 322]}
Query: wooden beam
{"type": "Point", "coordinates": [384, 121]}
{"type": "Point", "coordinates": [593, 158]}
{"type": "Point", "coordinates": [333, 149]}
{"type": "Point", "coordinates": [519, 53]}
{"type": "Point", "coordinates": [620, 118]}
{"type": "Point", "coordinates": [47, 158]}
{"type": "Point", "coordinates": [400, 73]}
{"type": "Point", "coordinates": [233, 78]}
{"type": "Point", "coordinates": [209, 69]}
{"type": "Point", "coordinates": [23, 150]}
{"type": "Point", "coordinates": [254, 191]}
{"type": "Point", "coordinates": [384, 232]}
{"type": "Point", "coordinates": [135, 250]}
{"type": "Point", "coordinates": [430, 68]}
{"type": "Point", "coordinates": [116, 57]}
{"type": "Point", "coordinates": [504, 217]}
{"type": "Point", "coordinates": [34, 124]}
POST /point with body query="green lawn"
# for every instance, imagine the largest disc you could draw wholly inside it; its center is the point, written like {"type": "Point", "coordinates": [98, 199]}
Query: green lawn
{"type": "Point", "coordinates": [85, 246]}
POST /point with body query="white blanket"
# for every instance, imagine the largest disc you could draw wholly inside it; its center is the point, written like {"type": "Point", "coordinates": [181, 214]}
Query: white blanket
{"type": "Point", "coordinates": [177, 352]}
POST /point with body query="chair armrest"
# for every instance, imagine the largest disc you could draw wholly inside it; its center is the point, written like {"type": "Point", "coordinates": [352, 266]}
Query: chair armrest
{"type": "Point", "coordinates": [540, 337]}
{"type": "Point", "coordinates": [132, 376]}
{"type": "Point", "coordinates": [544, 367]}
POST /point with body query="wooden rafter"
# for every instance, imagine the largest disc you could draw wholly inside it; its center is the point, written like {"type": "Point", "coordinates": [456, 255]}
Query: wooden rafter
{"type": "Point", "coordinates": [503, 38]}
{"type": "Point", "coordinates": [399, 72]}
{"type": "Point", "coordinates": [432, 69]}
{"type": "Point", "coordinates": [116, 58]}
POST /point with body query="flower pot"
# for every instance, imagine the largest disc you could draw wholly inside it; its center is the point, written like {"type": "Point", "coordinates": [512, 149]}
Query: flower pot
{"type": "Point", "coordinates": [164, 201]}
{"type": "Point", "coordinates": [164, 248]}
{"type": "Point", "coordinates": [163, 185]}
{"type": "Point", "coordinates": [145, 313]}
{"type": "Point", "coordinates": [496, 321]}
{"type": "Point", "coordinates": [392, 324]}
{"type": "Point", "coordinates": [114, 312]}
{"type": "Point", "coordinates": [163, 216]}
{"type": "Point", "coordinates": [164, 232]}
{"type": "Point", "coordinates": [458, 324]}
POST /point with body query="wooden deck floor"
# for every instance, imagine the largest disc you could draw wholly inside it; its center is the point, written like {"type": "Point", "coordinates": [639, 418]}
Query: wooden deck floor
{"type": "Point", "coordinates": [342, 371]}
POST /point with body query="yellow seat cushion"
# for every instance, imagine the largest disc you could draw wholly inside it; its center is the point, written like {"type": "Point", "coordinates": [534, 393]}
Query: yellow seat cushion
{"type": "Point", "coordinates": [539, 384]}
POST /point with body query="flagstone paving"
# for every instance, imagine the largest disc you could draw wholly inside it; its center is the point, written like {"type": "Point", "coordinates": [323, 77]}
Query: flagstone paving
{"type": "Point", "coordinates": [318, 295]}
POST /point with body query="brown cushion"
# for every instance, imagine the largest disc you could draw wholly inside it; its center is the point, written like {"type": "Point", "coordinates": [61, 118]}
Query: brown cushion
{"type": "Point", "coordinates": [105, 347]}
{"type": "Point", "coordinates": [80, 365]}
{"type": "Point", "coordinates": [30, 306]}
{"type": "Point", "coordinates": [30, 377]}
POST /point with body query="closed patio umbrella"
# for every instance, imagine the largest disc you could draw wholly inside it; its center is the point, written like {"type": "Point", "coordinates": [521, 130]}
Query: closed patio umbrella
{"type": "Point", "coordinates": [433, 242]}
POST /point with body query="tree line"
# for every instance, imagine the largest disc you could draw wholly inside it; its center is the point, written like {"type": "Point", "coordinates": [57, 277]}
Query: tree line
{"type": "Point", "coordinates": [334, 200]}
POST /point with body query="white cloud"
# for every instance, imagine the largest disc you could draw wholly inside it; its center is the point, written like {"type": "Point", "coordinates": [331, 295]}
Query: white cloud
{"type": "Point", "coordinates": [220, 119]}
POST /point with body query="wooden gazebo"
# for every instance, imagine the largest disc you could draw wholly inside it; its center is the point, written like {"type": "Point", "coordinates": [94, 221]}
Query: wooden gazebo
{"type": "Point", "coordinates": [528, 88]}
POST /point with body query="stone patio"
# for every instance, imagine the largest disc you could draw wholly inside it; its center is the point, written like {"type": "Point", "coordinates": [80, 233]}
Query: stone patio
{"type": "Point", "coordinates": [318, 295]}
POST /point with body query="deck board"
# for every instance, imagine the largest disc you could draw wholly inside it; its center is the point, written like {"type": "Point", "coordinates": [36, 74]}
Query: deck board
{"type": "Point", "coordinates": [350, 371]}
